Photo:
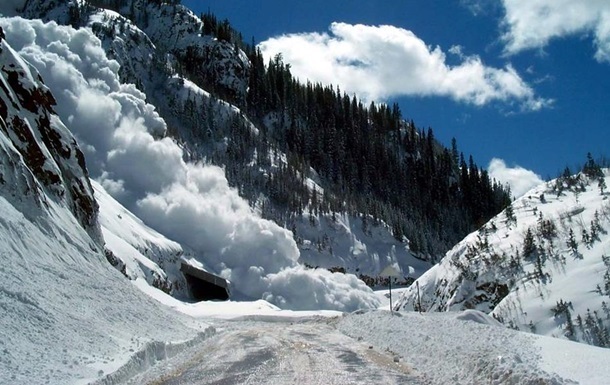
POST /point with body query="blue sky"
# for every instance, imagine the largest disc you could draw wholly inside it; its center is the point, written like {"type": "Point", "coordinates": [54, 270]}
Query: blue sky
{"type": "Point", "coordinates": [524, 82]}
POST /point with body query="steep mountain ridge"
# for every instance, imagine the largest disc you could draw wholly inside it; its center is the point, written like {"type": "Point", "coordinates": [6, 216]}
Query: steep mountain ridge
{"type": "Point", "coordinates": [67, 315]}
{"type": "Point", "coordinates": [127, 151]}
{"type": "Point", "coordinates": [47, 159]}
{"type": "Point", "coordinates": [369, 164]}
{"type": "Point", "coordinates": [208, 128]}
{"type": "Point", "coordinates": [541, 266]}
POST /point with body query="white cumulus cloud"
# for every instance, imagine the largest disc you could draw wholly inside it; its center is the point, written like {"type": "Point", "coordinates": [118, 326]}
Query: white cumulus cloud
{"type": "Point", "coordinates": [532, 24]}
{"type": "Point", "coordinates": [519, 179]}
{"type": "Point", "coordinates": [379, 62]}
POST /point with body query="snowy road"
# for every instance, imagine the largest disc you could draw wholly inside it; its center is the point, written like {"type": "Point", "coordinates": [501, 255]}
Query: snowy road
{"type": "Point", "coordinates": [468, 348]}
{"type": "Point", "coordinates": [309, 352]}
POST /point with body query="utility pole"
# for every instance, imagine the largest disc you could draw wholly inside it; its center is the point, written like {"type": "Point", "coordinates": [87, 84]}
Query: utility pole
{"type": "Point", "coordinates": [418, 299]}
{"type": "Point", "coordinates": [391, 308]}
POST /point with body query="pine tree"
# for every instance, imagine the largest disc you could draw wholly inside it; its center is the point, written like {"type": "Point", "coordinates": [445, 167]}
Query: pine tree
{"type": "Point", "coordinates": [606, 310]}
{"type": "Point", "coordinates": [591, 168]}
{"type": "Point", "coordinates": [510, 215]}
{"type": "Point", "coordinates": [570, 332]}
{"type": "Point", "coordinates": [529, 244]}
{"type": "Point", "coordinates": [546, 228]}
{"type": "Point", "coordinates": [580, 324]}
{"type": "Point", "coordinates": [586, 239]}
{"type": "Point", "coordinates": [596, 227]}
{"type": "Point", "coordinates": [572, 242]}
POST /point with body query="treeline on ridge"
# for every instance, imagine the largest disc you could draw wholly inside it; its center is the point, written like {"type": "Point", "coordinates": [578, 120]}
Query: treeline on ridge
{"type": "Point", "coordinates": [371, 161]}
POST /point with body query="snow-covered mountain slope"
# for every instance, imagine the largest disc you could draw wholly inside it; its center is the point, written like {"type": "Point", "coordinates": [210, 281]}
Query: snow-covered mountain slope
{"type": "Point", "coordinates": [126, 149]}
{"type": "Point", "coordinates": [139, 251]}
{"type": "Point", "coordinates": [66, 314]}
{"type": "Point", "coordinates": [44, 156]}
{"type": "Point", "coordinates": [154, 44]}
{"type": "Point", "coordinates": [338, 241]}
{"type": "Point", "coordinates": [357, 245]}
{"type": "Point", "coordinates": [541, 266]}
{"type": "Point", "coordinates": [140, 34]}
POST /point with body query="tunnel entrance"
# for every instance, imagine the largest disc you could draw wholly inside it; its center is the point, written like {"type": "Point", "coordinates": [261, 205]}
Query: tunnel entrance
{"type": "Point", "coordinates": [204, 286]}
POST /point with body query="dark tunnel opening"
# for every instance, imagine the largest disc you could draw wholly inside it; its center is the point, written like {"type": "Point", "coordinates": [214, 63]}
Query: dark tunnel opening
{"type": "Point", "coordinates": [202, 290]}
{"type": "Point", "coordinates": [205, 286]}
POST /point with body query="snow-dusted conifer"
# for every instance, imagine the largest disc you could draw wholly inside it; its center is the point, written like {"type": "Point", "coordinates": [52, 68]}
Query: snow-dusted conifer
{"type": "Point", "coordinates": [529, 244]}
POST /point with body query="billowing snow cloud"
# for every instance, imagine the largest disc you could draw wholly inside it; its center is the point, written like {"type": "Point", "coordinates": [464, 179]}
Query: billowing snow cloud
{"type": "Point", "coordinates": [123, 140]}
{"type": "Point", "coordinates": [378, 62]}
{"type": "Point", "coordinates": [518, 178]}
{"type": "Point", "coordinates": [532, 24]}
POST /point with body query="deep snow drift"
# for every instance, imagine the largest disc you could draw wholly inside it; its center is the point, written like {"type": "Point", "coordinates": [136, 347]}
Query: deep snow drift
{"type": "Point", "coordinates": [68, 316]}
{"type": "Point", "coordinates": [472, 348]}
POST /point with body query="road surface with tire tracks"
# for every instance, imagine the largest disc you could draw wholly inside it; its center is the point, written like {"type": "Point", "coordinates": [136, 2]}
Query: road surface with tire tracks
{"type": "Point", "coordinates": [283, 352]}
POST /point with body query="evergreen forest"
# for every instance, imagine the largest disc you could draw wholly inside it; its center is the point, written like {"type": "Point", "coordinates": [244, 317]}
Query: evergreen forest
{"type": "Point", "coordinates": [371, 160]}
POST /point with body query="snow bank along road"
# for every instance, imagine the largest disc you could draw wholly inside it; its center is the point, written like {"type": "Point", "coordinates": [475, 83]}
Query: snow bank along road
{"type": "Point", "coordinates": [301, 352]}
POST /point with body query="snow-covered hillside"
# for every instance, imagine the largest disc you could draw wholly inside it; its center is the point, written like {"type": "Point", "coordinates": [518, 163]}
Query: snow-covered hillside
{"type": "Point", "coordinates": [126, 150]}
{"type": "Point", "coordinates": [541, 266]}
{"type": "Point", "coordinates": [153, 45]}
{"type": "Point", "coordinates": [138, 251]}
{"type": "Point", "coordinates": [66, 314]}
{"type": "Point", "coordinates": [50, 161]}
{"type": "Point", "coordinates": [356, 245]}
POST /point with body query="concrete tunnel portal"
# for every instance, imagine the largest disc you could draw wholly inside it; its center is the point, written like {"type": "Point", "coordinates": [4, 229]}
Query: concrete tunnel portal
{"type": "Point", "coordinates": [205, 286]}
